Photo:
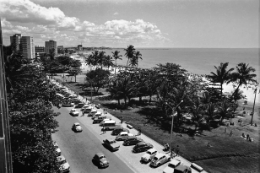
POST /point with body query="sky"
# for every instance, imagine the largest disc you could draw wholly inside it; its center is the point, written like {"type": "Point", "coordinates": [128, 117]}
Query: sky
{"type": "Point", "coordinates": [142, 23]}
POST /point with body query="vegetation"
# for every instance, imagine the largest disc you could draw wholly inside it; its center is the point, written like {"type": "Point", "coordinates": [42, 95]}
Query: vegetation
{"type": "Point", "coordinates": [30, 98]}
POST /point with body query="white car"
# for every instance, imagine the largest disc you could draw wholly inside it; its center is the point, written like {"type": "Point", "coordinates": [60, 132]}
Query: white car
{"type": "Point", "coordinates": [76, 127]}
{"type": "Point", "coordinates": [96, 115]}
{"type": "Point", "coordinates": [74, 112]}
{"type": "Point", "coordinates": [58, 151]}
{"type": "Point", "coordinates": [64, 167]}
{"type": "Point", "coordinates": [160, 159]}
{"type": "Point", "coordinates": [148, 156]}
{"type": "Point", "coordinates": [170, 167]}
{"type": "Point", "coordinates": [123, 136]}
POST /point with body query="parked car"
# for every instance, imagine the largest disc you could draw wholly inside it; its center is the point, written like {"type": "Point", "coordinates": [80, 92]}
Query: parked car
{"type": "Point", "coordinates": [93, 112]}
{"type": "Point", "coordinates": [65, 167]}
{"type": "Point", "coordinates": [76, 127]}
{"type": "Point", "coordinates": [119, 129]}
{"type": "Point", "coordinates": [100, 119]}
{"type": "Point", "coordinates": [196, 167]}
{"type": "Point", "coordinates": [67, 104]}
{"type": "Point", "coordinates": [57, 151]}
{"type": "Point", "coordinates": [73, 96]}
{"type": "Point", "coordinates": [86, 110]}
{"type": "Point", "coordinates": [171, 166]}
{"type": "Point", "coordinates": [123, 136]}
{"type": "Point", "coordinates": [160, 159]}
{"type": "Point", "coordinates": [148, 156]}
{"type": "Point", "coordinates": [111, 144]}
{"type": "Point", "coordinates": [182, 169]}
{"type": "Point", "coordinates": [61, 159]}
{"type": "Point", "coordinates": [132, 140]}
{"type": "Point", "coordinates": [79, 105]}
{"type": "Point", "coordinates": [96, 115]}
{"type": "Point", "coordinates": [142, 146]}
{"type": "Point", "coordinates": [101, 160]}
{"type": "Point", "coordinates": [98, 106]}
{"type": "Point", "coordinates": [74, 112]}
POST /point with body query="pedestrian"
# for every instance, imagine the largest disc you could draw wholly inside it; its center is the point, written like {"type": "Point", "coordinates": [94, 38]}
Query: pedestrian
{"type": "Point", "coordinates": [104, 130]}
{"type": "Point", "coordinates": [231, 133]}
{"type": "Point", "coordinates": [177, 150]}
{"type": "Point", "coordinates": [247, 137]}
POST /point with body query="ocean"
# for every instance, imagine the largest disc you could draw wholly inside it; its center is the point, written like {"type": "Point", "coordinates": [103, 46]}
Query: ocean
{"type": "Point", "coordinates": [196, 60]}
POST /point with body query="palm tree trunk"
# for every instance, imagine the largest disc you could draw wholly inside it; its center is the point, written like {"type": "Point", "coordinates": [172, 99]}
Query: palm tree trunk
{"type": "Point", "coordinates": [118, 102]}
{"type": "Point", "coordinates": [75, 78]}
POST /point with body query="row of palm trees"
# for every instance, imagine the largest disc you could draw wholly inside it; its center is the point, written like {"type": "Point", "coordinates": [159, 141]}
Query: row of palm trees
{"type": "Point", "coordinates": [99, 58]}
{"type": "Point", "coordinates": [171, 85]}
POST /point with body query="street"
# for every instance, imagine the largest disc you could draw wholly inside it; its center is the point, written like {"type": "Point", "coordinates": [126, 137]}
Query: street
{"type": "Point", "coordinates": [79, 148]}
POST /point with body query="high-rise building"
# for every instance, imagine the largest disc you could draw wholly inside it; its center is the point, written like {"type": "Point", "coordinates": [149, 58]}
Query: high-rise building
{"type": "Point", "coordinates": [15, 42]}
{"type": "Point", "coordinates": [51, 44]}
{"type": "Point", "coordinates": [27, 47]}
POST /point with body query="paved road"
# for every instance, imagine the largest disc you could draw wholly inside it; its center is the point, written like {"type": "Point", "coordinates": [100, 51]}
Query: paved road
{"type": "Point", "coordinates": [96, 137]}
{"type": "Point", "coordinates": [79, 148]}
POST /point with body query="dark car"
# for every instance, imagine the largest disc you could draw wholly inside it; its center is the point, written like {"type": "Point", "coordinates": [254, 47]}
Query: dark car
{"type": "Point", "coordinates": [132, 140]}
{"type": "Point", "coordinates": [118, 130]}
{"type": "Point", "coordinates": [141, 147]}
{"type": "Point", "coordinates": [101, 160]}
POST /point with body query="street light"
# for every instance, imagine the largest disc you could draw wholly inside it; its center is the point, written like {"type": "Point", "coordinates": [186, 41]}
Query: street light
{"type": "Point", "coordinates": [252, 114]}
{"type": "Point", "coordinates": [173, 110]}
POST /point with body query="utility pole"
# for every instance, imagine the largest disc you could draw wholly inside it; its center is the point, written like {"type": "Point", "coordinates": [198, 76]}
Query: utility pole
{"type": "Point", "coordinates": [5, 142]}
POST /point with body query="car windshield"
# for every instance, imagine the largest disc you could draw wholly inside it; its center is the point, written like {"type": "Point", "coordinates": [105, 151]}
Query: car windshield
{"type": "Point", "coordinates": [171, 165]}
{"type": "Point", "coordinates": [155, 158]}
{"type": "Point", "coordinates": [101, 157]}
{"type": "Point", "coordinates": [149, 152]}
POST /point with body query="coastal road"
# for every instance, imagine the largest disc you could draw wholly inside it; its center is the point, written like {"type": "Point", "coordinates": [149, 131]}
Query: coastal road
{"type": "Point", "coordinates": [79, 148]}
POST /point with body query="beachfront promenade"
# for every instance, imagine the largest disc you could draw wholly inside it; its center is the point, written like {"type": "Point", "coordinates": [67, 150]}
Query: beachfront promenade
{"type": "Point", "coordinates": [133, 160]}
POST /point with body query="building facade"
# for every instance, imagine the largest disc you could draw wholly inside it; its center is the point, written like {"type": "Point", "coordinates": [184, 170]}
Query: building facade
{"type": "Point", "coordinates": [15, 42]}
{"type": "Point", "coordinates": [39, 49]}
{"type": "Point", "coordinates": [27, 47]}
{"type": "Point", "coordinates": [51, 44]}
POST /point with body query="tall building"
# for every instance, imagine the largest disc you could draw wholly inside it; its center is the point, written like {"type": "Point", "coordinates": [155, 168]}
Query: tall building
{"type": "Point", "coordinates": [51, 44]}
{"type": "Point", "coordinates": [5, 142]}
{"type": "Point", "coordinates": [15, 42]}
{"type": "Point", "coordinates": [27, 47]}
{"type": "Point", "coordinates": [40, 49]}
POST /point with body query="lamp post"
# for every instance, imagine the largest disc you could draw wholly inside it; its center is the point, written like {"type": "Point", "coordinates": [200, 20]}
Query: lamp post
{"type": "Point", "coordinates": [252, 114]}
{"type": "Point", "coordinates": [173, 110]}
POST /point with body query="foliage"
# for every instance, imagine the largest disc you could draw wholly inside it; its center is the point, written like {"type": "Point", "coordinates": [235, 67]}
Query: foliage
{"type": "Point", "coordinates": [31, 118]}
{"type": "Point", "coordinates": [97, 78]}
{"type": "Point", "coordinates": [243, 75]}
{"type": "Point", "coordinates": [222, 75]}
{"type": "Point", "coordinates": [130, 53]}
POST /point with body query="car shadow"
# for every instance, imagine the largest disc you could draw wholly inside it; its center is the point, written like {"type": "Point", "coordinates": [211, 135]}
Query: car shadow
{"type": "Point", "coordinates": [94, 163]}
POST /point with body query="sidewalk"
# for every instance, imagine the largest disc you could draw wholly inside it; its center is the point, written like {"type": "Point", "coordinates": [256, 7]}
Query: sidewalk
{"type": "Point", "coordinates": [133, 160]}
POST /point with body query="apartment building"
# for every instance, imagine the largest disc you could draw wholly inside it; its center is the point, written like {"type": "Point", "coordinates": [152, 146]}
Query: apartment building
{"type": "Point", "coordinates": [15, 42]}
{"type": "Point", "coordinates": [27, 47]}
{"type": "Point", "coordinates": [51, 44]}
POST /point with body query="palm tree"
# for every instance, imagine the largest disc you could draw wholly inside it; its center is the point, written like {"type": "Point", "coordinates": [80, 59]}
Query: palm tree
{"type": "Point", "coordinates": [130, 53]}
{"type": "Point", "coordinates": [243, 75]}
{"type": "Point", "coordinates": [196, 110]}
{"type": "Point", "coordinates": [222, 75]}
{"type": "Point", "coordinates": [116, 56]}
{"type": "Point", "coordinates": [52, 53]}
{"type": "Point", "coordinates": [101, 58]}
{"type": "Point", "coordinates": [135, 59]}
{"type": "Point", "coordinates": [108, 61]}
{"type": "Point", "coordinates": [210, 112]}
{"type": "Point", "coordinates": [225, 110]}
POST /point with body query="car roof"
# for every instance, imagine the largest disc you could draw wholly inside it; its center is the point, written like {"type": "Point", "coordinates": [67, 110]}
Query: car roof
{"type": "Point", "coordinates": [152, 150]}
{"type": "Point", "coordinates": [141, 143]}
{"type": "Point", "coordinates": [123, 133]}
{"type": "Point", "coordinates": [76, 123]}
{"type": "Point", "coordinates": [182, 167]}
{"type": "Point", "coordinates": [174, 161]}
{"type": "Point", "coordinates": [159, 155]}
